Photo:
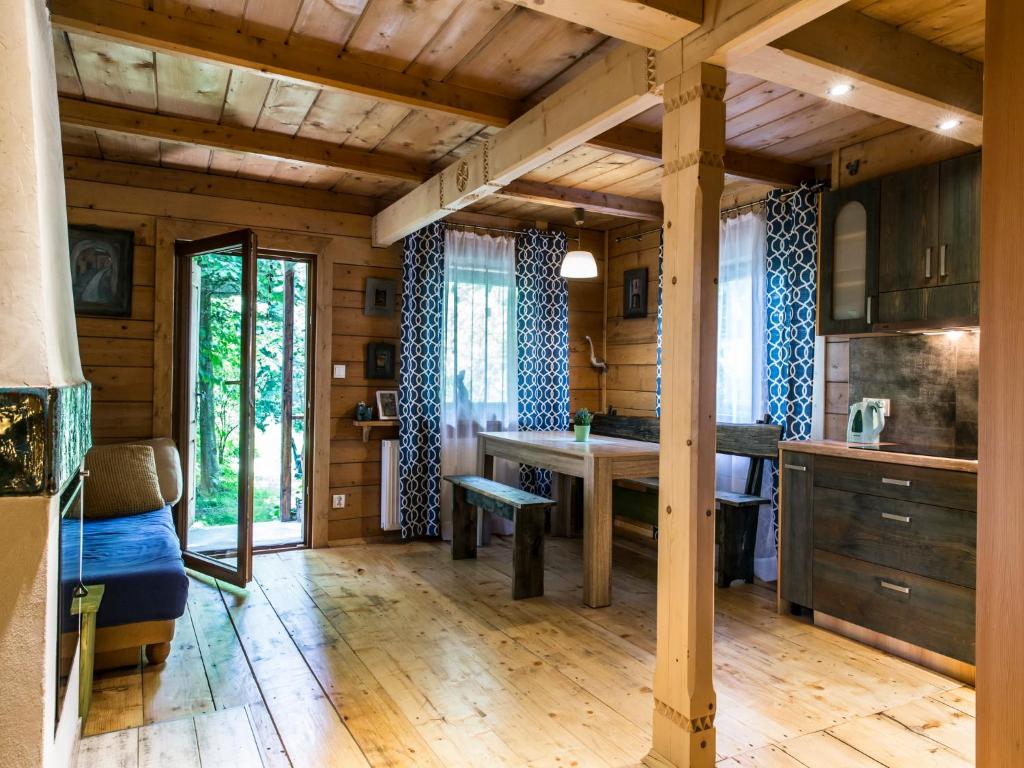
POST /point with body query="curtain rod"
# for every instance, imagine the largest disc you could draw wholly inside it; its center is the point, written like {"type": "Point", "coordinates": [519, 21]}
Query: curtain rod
{"type": "Point", "coordinates": [502, 229]}
{"type": "Point", "coordinates": [724, 212]}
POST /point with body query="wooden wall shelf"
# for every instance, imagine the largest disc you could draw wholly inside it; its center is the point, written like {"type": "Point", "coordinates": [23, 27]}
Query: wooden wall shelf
{"type": "Point", "coordinates": [369, 425]}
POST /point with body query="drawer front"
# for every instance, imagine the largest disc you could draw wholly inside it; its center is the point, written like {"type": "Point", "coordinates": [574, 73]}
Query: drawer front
{"type": "Point", "coordinates": [932, 614]}
{"type": "Point", "coordinates": [937, 542]}
{"type": "Point", "coordinates": [940, 487]}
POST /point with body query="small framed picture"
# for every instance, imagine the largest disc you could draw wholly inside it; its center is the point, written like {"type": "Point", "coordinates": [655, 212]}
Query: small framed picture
{"type": "Point", "coordinates": [634, 293]}
{"type": "Point", "coordinates": [387, 404]}
{"type": "Point", "coordinates": [101, 270]}
{"type": "Point", "coordinates": [380, 297]}
{"type": "Point", "coordinates": [380, 360]}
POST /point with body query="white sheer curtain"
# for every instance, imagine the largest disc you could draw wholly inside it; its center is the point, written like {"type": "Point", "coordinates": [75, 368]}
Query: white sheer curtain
{"type": "Point", "coordinates": [741, 385]}
{"type": "Point", "coordinates": [478, 383]}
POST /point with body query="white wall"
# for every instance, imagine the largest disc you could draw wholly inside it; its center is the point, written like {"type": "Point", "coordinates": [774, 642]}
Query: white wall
{"type": "Point", "coordinates": [38, 347]}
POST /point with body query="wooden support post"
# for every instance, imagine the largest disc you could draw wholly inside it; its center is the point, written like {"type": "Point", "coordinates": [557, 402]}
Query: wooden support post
{"type": "Point", "coordinates": [1000, 615]}
{"type": "Point", "coordinates": [694, 148]}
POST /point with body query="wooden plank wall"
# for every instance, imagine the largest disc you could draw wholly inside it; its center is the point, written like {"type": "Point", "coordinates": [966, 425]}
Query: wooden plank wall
{"type": "Point", "coordinates": [632, 344]}
{"type": "Point", "coordinates": [117, 354]}
{"type": "Point", "coordinates": [837, 388]}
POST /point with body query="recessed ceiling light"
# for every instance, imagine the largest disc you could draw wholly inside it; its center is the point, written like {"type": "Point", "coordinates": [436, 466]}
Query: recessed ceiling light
{"type": "Point", "coordinates": [840, 90]}
{"type": "Point", "coordinates": [949, 125]}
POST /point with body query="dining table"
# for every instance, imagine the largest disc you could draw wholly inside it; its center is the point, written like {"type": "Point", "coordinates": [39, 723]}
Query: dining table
{"type": "Point", "coordinates": [598, 462]}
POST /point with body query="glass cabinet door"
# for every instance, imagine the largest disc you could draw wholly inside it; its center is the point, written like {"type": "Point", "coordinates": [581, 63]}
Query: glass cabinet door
{"type": "Point", "coordinates": [848, 279]}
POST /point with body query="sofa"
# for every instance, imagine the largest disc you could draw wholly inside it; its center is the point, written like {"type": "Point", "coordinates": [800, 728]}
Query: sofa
{"type": "Point", "coordinates": [136, 556]}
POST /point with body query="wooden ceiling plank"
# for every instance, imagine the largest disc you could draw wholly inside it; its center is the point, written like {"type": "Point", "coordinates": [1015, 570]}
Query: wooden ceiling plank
{"type": "Point", "coordinates": [610, 92]}
{"type": "Point", "coordinates": [895, 74]}
{"type": "Point", "coordinates": [650, 23]}
{"type": "Point", "coordinates": [213, 136]}
{"type": "Point", "coordinates": [123, 74]}
{"type": "Point", "coordinates": [766, 169]}
{"type": "Point", "coordinates": [454, 41]}
{"type": "Point", "coordinates": [325, 22]}
{"type": "Point", "coordinates": [593, 202]}
{"type": "Point", "coordinates": [165, 34]}
{"type": "Point", "coordinates": [67, 73]}
{"type": "Point", "coordinates": [392, 32]}
{"type": "Point", "coordinates": [802, 148]}
{"type": "Point", "coordinates": [247, 92]}
{"type": "Point", "coordinates": [286, 107]}
{"type": "Point", "coordinates": [190, 88]}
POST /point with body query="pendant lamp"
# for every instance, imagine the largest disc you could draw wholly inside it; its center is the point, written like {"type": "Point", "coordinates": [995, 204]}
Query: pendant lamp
{"type": "Point", "coordinates": [579, 264]}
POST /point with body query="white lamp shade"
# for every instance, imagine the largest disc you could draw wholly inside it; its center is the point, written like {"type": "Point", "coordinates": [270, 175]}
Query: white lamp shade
{"type": "Point", "coordinates": [579, 264]}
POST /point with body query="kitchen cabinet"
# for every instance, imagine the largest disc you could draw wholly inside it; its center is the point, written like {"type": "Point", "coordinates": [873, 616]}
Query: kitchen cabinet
{"type": "Point", "coordinates": [889, 547]}
{"type": "Point", "coordinates": [920, 246]}
{"type": "Point", "coordinates": [849, 260]}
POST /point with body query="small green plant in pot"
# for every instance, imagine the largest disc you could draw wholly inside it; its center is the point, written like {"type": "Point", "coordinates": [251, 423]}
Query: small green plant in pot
{"type": "Point", "coordinates": [582, 425]}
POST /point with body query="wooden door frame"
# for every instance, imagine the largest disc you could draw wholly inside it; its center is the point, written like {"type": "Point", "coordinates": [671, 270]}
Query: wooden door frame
{"type": "Point", "coordinates": [168, 231]}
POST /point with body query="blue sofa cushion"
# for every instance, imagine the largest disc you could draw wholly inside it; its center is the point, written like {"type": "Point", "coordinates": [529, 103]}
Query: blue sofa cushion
{"type": "Point", "coordinates": [138, 559]}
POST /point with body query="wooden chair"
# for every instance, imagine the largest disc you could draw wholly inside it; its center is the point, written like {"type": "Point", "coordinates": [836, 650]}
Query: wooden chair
{"type": "Point", "coordinates": [736, 513]}
{"type": "Point", "coordinates": [525, 510]}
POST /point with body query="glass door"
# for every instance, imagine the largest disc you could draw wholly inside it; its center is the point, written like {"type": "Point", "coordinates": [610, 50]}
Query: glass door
{"type": "Point", "coordinates": [215, 383]}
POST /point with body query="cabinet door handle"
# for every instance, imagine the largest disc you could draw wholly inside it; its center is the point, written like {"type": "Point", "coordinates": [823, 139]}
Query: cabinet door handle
{"type": "Point", "coordinates": [795, 467]}
{"type": "Point", "coordinates": [897, 518]}
{"type": "Point", "coordinates": [892, 481]}
{"type": "Point", "coordinates": [869, 309]}
{"type": "Point", "coordinates": [894, 587]}
{"type": "Point", "coordinates": [942, 260]}
{"type": "Point", "coordinates": [928, 262]}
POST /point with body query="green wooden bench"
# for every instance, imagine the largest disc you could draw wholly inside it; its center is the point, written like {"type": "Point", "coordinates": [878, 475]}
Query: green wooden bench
{"type": "Point", "coordinates": [736, 513]}
{"type": "Point", "coordinates": [525, 510]}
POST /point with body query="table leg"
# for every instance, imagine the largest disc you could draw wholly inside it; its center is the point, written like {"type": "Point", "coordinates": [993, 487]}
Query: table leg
{"type": "Point", "coordinates": [561, 515]}
{"type": "Point", "coordinates": [597, 534]}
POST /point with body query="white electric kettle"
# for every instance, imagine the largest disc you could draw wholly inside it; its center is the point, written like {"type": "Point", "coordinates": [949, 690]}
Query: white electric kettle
{"type": "Point", "coordinates": [867, 420]}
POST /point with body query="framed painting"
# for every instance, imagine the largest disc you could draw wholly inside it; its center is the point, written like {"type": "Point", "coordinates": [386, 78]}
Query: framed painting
{"type": "Point", "coordinates": [387, 404]}
{"type": "Point", "coordinates": [380, 297]}
{"type": "Point", "coordinates": [380, 360]}
{"type": "Point", "coordinates": [101, 270]}
{"type": "Point", "coordinates": [634, 293]}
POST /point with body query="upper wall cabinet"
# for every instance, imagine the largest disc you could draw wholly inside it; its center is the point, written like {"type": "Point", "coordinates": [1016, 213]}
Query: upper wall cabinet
{"type": "Point", "coordinates": [849, 259]}
{"type": "Point", "coordinates": [930, 252]}
{"type": "Point", "coordinates": [922, 250]}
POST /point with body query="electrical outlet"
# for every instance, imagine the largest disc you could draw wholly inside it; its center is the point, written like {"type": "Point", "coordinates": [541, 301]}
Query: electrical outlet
{"type": "Point", "coordinates": [340, 370]}
{"type": "Point", "coordinates": [339, 500]}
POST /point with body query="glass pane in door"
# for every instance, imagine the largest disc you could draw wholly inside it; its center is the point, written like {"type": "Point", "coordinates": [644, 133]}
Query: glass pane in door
{"type": "Point", "coordinates": [216, 464]}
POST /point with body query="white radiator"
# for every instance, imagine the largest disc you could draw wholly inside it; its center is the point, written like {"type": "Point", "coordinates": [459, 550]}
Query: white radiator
{"type": "Point", "coordinates": [389, 485]}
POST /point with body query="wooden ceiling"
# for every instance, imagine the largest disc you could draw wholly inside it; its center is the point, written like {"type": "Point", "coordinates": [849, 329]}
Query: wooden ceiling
{"type": "Point", "coordinates": [485, 45]}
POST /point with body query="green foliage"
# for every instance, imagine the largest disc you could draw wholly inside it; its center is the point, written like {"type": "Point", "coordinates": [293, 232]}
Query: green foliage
{"type": "Point", "coordinates": [583, 418]}
{"type": "Point", "coordinates": [219, 373]}
{"type": "Point", "coordinates": [221, 506]}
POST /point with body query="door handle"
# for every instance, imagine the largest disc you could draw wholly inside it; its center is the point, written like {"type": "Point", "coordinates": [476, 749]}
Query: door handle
{"type": "Point", "coordinates": [897, 518]}
{"type": "Point", "coordinates": [795, 467]}
{"type": "Point", "coordinates": [894, 587]}
{"type": "Point", "coordinates": [928, 262]}
{"type": "Point", "coordinates": [942, 260]}
{"type": "Point", "coordinates": [891, 481]}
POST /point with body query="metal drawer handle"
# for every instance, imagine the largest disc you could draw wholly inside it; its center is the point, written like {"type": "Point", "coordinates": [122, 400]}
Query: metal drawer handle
{"type": "Point", "coordinates": [895, 587]}
{"type": "Point", "coordinates": [869, 309]}
{"type": "Point", "coordinates": [891, 481]}
{"type": "Point", "coordinates": [796, 467]}
{"type": "Point", "coordinates": [928, 263]}
{"type": "Point", "coordinates": [942, 260]}
{"type": "Point", "coordinates": [897, 518]}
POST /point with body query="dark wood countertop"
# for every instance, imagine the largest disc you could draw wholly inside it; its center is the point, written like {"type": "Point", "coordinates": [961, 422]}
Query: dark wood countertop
{"type": "Point", "coordinates": [848, 451]}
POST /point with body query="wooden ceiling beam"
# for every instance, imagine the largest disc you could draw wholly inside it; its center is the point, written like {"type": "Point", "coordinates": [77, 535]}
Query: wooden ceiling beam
{"type": "Point", "coordinates": [616, 88]}
{"type": "Point", "coordinates": [573, 197]}
{"type": "Point", "coordinates": [200, 133]}
{"type": "Point", "coordinates": [296, 63]}
{"type": "Point", "coordinates": [894, 74]}
{"type": "Point", "coordinates": [651, 23]}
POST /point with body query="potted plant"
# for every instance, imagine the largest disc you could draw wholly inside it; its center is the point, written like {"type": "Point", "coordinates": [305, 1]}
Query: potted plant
{"type": "Point", "coordinates": [582, 425]}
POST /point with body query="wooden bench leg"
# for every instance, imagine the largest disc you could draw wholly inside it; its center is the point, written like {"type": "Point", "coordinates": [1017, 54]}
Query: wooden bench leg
{"type": "Point", "coordinates": [464, 517]}
{"type": "Point", "coordinates": [528, 555]}
{"type": "Point", "coordinates": [736, 536]}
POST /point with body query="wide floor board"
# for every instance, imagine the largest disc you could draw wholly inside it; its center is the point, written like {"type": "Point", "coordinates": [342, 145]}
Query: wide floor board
{"type": "Point", "coordinates": [394, 655]}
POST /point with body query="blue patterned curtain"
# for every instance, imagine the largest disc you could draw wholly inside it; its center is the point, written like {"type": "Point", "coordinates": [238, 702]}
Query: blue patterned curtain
{"type": "Point", "coordinates": [791, 275]}
{"type": "Point", "coordinates": [542, 327]}
{"type": "Point", "coordinates": [419, 382]}
{"type": "Point", "coordinates": [661, 281]}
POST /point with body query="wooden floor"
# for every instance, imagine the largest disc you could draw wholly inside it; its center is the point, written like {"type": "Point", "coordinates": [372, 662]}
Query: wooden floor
{"type": "Point", "coordinates": [394, 655]}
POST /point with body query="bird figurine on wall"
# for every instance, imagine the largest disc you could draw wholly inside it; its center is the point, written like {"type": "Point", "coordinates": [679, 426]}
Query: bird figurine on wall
{"type": "Point", "coordinates": [598, 364]}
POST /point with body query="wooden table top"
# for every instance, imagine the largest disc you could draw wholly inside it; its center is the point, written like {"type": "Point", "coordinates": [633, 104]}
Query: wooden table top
{"type": "Point", "coordinates": [564, 443]}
